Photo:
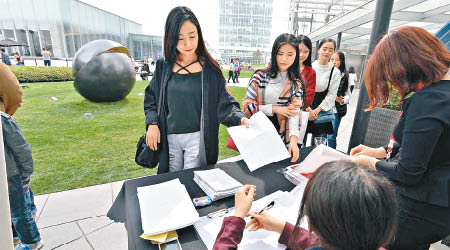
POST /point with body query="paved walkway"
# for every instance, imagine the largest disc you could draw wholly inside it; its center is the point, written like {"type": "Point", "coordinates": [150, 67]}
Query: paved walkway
{"type": "Point", "coordinates": [76, 219]}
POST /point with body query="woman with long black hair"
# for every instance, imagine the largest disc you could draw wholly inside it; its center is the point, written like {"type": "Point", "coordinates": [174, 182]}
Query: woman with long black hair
{"type": "Point", "coordinates": [278, 91]}
{"type": "Point", "coordinates": [188, 89]}
{"type": "Point", "coordinates": [343, 94]}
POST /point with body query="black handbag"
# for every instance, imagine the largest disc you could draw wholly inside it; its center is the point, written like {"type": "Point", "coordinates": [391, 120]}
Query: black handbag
{"type": "Point", "coordinates": [145, 156]}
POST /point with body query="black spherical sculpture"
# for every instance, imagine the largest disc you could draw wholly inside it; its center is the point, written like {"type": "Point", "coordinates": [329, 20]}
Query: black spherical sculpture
{"type": "Point", "coordinates": [103, 71]}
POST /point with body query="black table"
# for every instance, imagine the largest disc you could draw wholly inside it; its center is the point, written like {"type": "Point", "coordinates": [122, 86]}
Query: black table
{"type": "Point", "coordinates": [126, 209]}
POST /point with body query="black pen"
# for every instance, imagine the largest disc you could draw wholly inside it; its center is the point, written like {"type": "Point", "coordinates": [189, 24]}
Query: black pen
{"type": "Point", "coordinates": [269, 206]}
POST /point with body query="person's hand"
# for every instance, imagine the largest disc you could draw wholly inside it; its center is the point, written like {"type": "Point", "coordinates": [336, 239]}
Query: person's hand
{"type": "Point", "coordinates": [153, 137]}
{"type": "Point", "coordinates": [245, 122]}
{"type": "Point", "coordinates": [265, 221]}
{"type": "Point", "coordinates": [243, 200]}
{"type": "Point", "coordinates": [340, 99]}
{"type": "Point", "coordinates": [312, 115]}
{"type": "Point", "coordinates": [286, 111]}
{"type": "Point", "coordinates": [368, 151]}
{"type": "Point", "coordinates": [293, 148]}
{"type": "Point", "coordinates": [316, 111]}
{"type": "Point", "coordinates": [365, 160]}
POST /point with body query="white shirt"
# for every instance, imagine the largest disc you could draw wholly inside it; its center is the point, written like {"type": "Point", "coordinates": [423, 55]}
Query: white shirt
{"type": "Point", "coordinates": [352, 79]}
{"type": "Point", "coordinates": [271, 96]}
{"type": "Point", "coordinates": [322, 76]}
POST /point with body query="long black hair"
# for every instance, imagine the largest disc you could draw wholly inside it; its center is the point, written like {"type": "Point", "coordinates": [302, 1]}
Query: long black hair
{"type": "Point", "coordinates": [177, 16]}
{"type": "Point", "coordinates": [302, 39]}
{"type": "Point", "coordinates": [293, 70]}
{"type": "Point", "coordinates": [351, 70]}
{"type": "Point", "coordinates": [343, 68]}
{"type": "Point", "coordinates": [349, 206]}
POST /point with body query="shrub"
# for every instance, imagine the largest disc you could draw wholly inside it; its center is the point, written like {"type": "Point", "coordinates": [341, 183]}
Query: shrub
{"type": "Point", "coordinates": [42, 74]}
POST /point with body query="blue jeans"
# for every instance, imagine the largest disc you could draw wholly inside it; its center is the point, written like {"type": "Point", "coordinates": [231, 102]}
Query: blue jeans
{"type": "Point", "coordinates": [21, 203]}
{"type": "Point", "coordinates": [332, 137]}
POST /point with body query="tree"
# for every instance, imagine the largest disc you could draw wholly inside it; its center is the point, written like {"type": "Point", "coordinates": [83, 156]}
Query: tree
{"type": "Point", "coordinates": [257, 56]}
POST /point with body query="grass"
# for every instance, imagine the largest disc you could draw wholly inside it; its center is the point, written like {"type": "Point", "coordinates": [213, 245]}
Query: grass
{"type": "Point", "coordinates": [72, 151]}
{"type": "Point", "coordinates": [244, 73]}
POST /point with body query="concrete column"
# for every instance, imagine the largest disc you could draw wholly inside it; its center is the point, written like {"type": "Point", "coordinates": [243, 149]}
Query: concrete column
{"type": "Point", "coordinates": [338, 42]}
{"type": "Point", "coordinates": [5, 216]}
{"type": "Point", "coordinates": [316, 55]}
{"type": "Point", "coordinates": [380, 26]}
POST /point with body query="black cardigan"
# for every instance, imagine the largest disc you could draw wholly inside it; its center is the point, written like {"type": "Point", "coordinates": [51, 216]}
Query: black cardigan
{"type": "Point", "coordinates": [422, 171]}
{"type": "Point", "coordinates": [218, 107]}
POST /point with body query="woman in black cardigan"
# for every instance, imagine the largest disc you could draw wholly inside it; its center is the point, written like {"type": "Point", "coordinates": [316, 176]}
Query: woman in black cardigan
{"type": "Point", "coordinates": [187, 99]}
{"type": "Point", "coordinates": [418, 155]}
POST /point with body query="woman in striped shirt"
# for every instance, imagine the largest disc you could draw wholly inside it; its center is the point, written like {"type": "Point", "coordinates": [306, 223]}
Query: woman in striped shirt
{"type": "Point", "coordinates": [278, 91]}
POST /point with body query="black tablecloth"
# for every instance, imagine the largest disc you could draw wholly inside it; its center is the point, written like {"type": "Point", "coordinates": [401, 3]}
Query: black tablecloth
{"type": "Point", "coordinates": [126, 206]}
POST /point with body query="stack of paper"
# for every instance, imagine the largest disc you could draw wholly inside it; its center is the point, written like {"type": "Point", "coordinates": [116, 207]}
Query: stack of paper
{"type": "Point", "coordinates": [300, 173]}
{"type": "Point", "coordinates": [287, 205]}
{"type": "Point", "coordinates": [216, 183]}
{"type": "Point", "coordinates": [165, 207]}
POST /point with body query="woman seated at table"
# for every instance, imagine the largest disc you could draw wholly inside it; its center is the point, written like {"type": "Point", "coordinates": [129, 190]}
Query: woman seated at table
{"type": "Point", "coordinates": [347, 205]}
{"type": "Point", "coordinates": [413, 60]}
{"type": "Point", "coordinates": [278, 92]}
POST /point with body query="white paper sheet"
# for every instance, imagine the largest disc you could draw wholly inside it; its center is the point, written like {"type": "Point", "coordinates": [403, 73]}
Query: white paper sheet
{"type": "Point", "coordinates": [166, 207]}
{"type": "Point", "coordinates": [318, 156]}
{"type": "Point", "coordinates": [286, 209]}
{"type": "Point", "coordinates": [259, 144]}
{"type": "Point", "coordinates": [303, 125]}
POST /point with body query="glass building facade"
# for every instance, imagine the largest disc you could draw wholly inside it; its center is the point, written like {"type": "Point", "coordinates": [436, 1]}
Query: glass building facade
{"type": "Point", "coordinates": [62, 26]}
{"type": "Point", "coordinates": [244, 27]}
{"type": "Point", "coordinates": [144, 46]}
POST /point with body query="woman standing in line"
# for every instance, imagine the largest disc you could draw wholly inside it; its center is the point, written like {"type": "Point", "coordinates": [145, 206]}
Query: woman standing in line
{"type": "Point", "coordinates": [189, 90]}
{"type": "Point", "coordinates": [307, 72]}
{"type": "Point", "coordinates": [343, 94]}
{"type": "Point", "coordinates": [352, 78]}
{"type": "Point", "coordinates": [327, 84]}
{"type": "Point", "coordinates": [417, 157]}
{"type": "Point", "coordinates": [231, 72]}
{"type": "Point", "coordinates": [278, 92]}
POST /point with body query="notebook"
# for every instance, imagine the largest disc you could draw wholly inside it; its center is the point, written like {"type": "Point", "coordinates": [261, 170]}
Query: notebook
{"type": "Point", "coordinates": [216, 183]}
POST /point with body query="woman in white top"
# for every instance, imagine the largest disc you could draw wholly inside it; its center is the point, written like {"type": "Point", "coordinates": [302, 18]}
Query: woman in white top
{"type": "Point", "coordinates": [231, 72]}
{"type": "Point", "coordinates": [352, 78]}
{"type": "Point", "coordinates": [327, 84]}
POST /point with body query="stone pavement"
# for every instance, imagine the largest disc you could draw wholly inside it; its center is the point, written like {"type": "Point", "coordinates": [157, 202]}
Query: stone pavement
{"type": "Point", "coordinates": [76, 219]}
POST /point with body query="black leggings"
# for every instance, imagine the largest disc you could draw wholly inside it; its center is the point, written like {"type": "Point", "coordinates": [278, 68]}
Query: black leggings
{"type": "Point", "coordinates": [419, 225]}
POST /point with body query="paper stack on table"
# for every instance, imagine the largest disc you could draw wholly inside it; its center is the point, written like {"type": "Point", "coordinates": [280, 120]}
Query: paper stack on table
{"type": "Point", "coordinates": [165, 207]}
{"type": "Point", "coordinates": [260, 144]}
{"type": "Point", "coordinates": [216, 183]}
{"type": "Point", "coordinates": [287, 205]}
{"type": "Point", "coordinates": [300, 173]}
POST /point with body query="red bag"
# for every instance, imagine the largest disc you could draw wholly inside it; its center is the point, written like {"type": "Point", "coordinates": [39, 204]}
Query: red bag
{"type": "Point", "coordinates": [231, 145]}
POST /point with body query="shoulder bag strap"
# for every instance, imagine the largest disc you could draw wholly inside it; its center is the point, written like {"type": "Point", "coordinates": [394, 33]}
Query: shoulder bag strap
{"type": "Point", "coordinates": [329, 80]}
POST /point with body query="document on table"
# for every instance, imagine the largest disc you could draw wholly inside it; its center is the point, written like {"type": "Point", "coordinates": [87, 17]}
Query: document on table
{"type": "Point", "coordinates": [260, 144]}
{"type": "Point", "coordinates": [318, 156]}
{"type": "Point", "coordinates": [286, 208]}
{"type": "Point", "coordinates": [165, 207]}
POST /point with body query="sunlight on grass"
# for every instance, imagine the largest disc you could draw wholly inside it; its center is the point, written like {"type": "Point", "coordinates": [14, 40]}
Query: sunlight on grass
{"type": "Point", "coordinates": [72, 151]}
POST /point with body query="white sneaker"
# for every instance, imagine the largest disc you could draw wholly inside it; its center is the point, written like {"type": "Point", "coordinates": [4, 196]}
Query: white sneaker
{"type": "Point", "coordinates": [35, 246]}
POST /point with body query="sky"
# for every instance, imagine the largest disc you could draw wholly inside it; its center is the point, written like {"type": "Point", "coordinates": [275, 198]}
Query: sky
{"type": "Point", "coordinates": [152, 15]}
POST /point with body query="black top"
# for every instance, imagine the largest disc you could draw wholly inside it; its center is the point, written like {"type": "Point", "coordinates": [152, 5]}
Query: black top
{"type": "Point", "coordinates": [184, 103]}
{"type": "Point", "coordinates": [421, 169]}
{"type": "Point", "coordinates": [218, 107]}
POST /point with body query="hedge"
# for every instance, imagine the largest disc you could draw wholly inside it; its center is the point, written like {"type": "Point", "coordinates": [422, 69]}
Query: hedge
{"type": "Point", "coordinates": [42, 74]}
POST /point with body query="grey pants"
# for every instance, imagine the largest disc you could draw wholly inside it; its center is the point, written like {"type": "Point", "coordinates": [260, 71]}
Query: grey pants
{"type": "Point", "coordinates": [184, 151]}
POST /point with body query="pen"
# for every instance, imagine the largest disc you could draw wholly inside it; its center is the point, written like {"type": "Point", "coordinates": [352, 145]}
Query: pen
{"type": "Point", "coordinates": [269, 206]}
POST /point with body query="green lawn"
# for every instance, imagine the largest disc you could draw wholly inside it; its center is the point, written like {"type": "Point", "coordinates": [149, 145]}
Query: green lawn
{"type": "Point", "coordinates": [72, 151]}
